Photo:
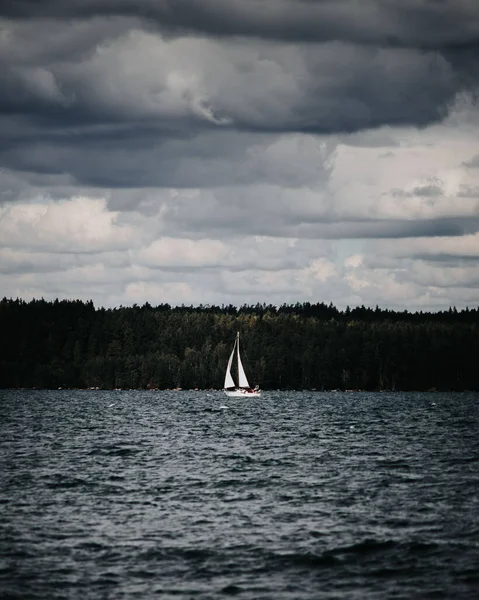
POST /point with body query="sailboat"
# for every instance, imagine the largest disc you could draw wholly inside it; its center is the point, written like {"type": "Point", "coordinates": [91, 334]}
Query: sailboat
{"type": "Point", "coordinates": [243, 388]}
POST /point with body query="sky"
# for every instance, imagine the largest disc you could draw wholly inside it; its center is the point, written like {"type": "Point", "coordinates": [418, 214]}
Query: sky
{"type": "Point", "coordinates": [240, 151]}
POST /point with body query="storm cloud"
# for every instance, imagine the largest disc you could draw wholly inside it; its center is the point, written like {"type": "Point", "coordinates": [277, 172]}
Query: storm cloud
{"type": "Point", "coordinates": [419, 23]}
{"type": "Point", "coordinates": [199, 151]}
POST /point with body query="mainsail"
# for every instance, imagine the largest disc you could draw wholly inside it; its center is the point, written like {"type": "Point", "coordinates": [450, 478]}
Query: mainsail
{"type": "Point", "coordinates": [242, 379]}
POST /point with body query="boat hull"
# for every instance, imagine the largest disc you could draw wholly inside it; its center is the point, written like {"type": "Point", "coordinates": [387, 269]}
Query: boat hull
{"type": "Point", "coordinates": [242, 394]}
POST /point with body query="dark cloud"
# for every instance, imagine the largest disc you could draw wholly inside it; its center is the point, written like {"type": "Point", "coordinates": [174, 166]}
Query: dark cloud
{"type": "Point", "coordinates": [468, 191]}
{"type": "Point", "coordinates": [382, 229]}
{"type": "Point", "coordinates": [37, 42]}
{"type": "Point", "coordinates": [95, 91]}
{"type": "Point", "coordinates": [473, 163]}
{"type": "Point", "coordinates": [449, 259]}
{"type": "Point", "coordinates": [432, 190]}
{"type": "Point", "coordinates": [415, 23]}
{"type": "Point", "coordinates": [266, 211]}
{"type": "Point", "coordinates": [141, 112]}
{"type": "Point", "coordinates": [328, 88]}
{"type": "Point", "coordinates": [145, 158]}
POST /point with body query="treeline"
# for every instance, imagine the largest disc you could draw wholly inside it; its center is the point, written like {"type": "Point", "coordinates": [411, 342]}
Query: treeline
{"type": "Point", "coordinates": [303, 346]}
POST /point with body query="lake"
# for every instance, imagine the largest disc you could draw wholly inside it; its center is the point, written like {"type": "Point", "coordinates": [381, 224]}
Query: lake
{"type": "Point", "coordinates": [192, 495]}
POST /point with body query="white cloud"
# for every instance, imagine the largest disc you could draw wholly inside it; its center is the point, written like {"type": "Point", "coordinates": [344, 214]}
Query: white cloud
{"type": "Point", "coordinates": [384, 182]}
{"type": "Point", "coordinates": [175, 252]}
{"type": "Point", "coordinates": [466, 246]}
{"type": "Point", "coordinates": [77, 225]}
{"type": "Point", "coordinates": [156, 293]}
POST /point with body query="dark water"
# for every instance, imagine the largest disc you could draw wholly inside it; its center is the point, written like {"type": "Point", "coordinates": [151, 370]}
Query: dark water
{"type": "Point", "coordinates": [293, 496]}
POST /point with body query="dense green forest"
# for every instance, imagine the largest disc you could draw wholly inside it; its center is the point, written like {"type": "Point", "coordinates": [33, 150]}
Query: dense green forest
{"type": "Point", "coordinates": [302, 346]}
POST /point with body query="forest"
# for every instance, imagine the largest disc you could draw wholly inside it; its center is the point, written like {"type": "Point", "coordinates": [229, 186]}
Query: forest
{"type": "Point", "coordinates": [73, 344]}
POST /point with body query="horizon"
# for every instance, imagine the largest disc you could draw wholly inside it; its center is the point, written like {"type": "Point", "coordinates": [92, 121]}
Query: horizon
{"type": "Point", "coordinates": [239, 308]}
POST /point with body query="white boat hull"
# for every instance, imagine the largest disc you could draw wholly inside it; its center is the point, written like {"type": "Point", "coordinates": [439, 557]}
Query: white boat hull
{"type": "Point", "coordinates": [242, 394]}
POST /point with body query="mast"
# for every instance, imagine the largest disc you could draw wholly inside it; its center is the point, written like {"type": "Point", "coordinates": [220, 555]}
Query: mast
{"type": "Point", "coordinates": [238, 361]}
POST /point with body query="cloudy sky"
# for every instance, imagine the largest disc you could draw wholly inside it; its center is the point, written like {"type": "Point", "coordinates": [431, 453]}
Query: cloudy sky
{"type": "Point", "coordinates": [240, 151]}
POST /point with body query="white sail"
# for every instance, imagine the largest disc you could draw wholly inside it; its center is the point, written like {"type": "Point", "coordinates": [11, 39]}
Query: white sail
{"type": "Point", "coordinates": [229, 383]}
{"type": "Point", "coordinates": [242, 379]}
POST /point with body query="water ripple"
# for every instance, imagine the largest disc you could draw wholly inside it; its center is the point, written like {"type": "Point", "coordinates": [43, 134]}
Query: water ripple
{"type": "Point", "coordinates": [298, 495]}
